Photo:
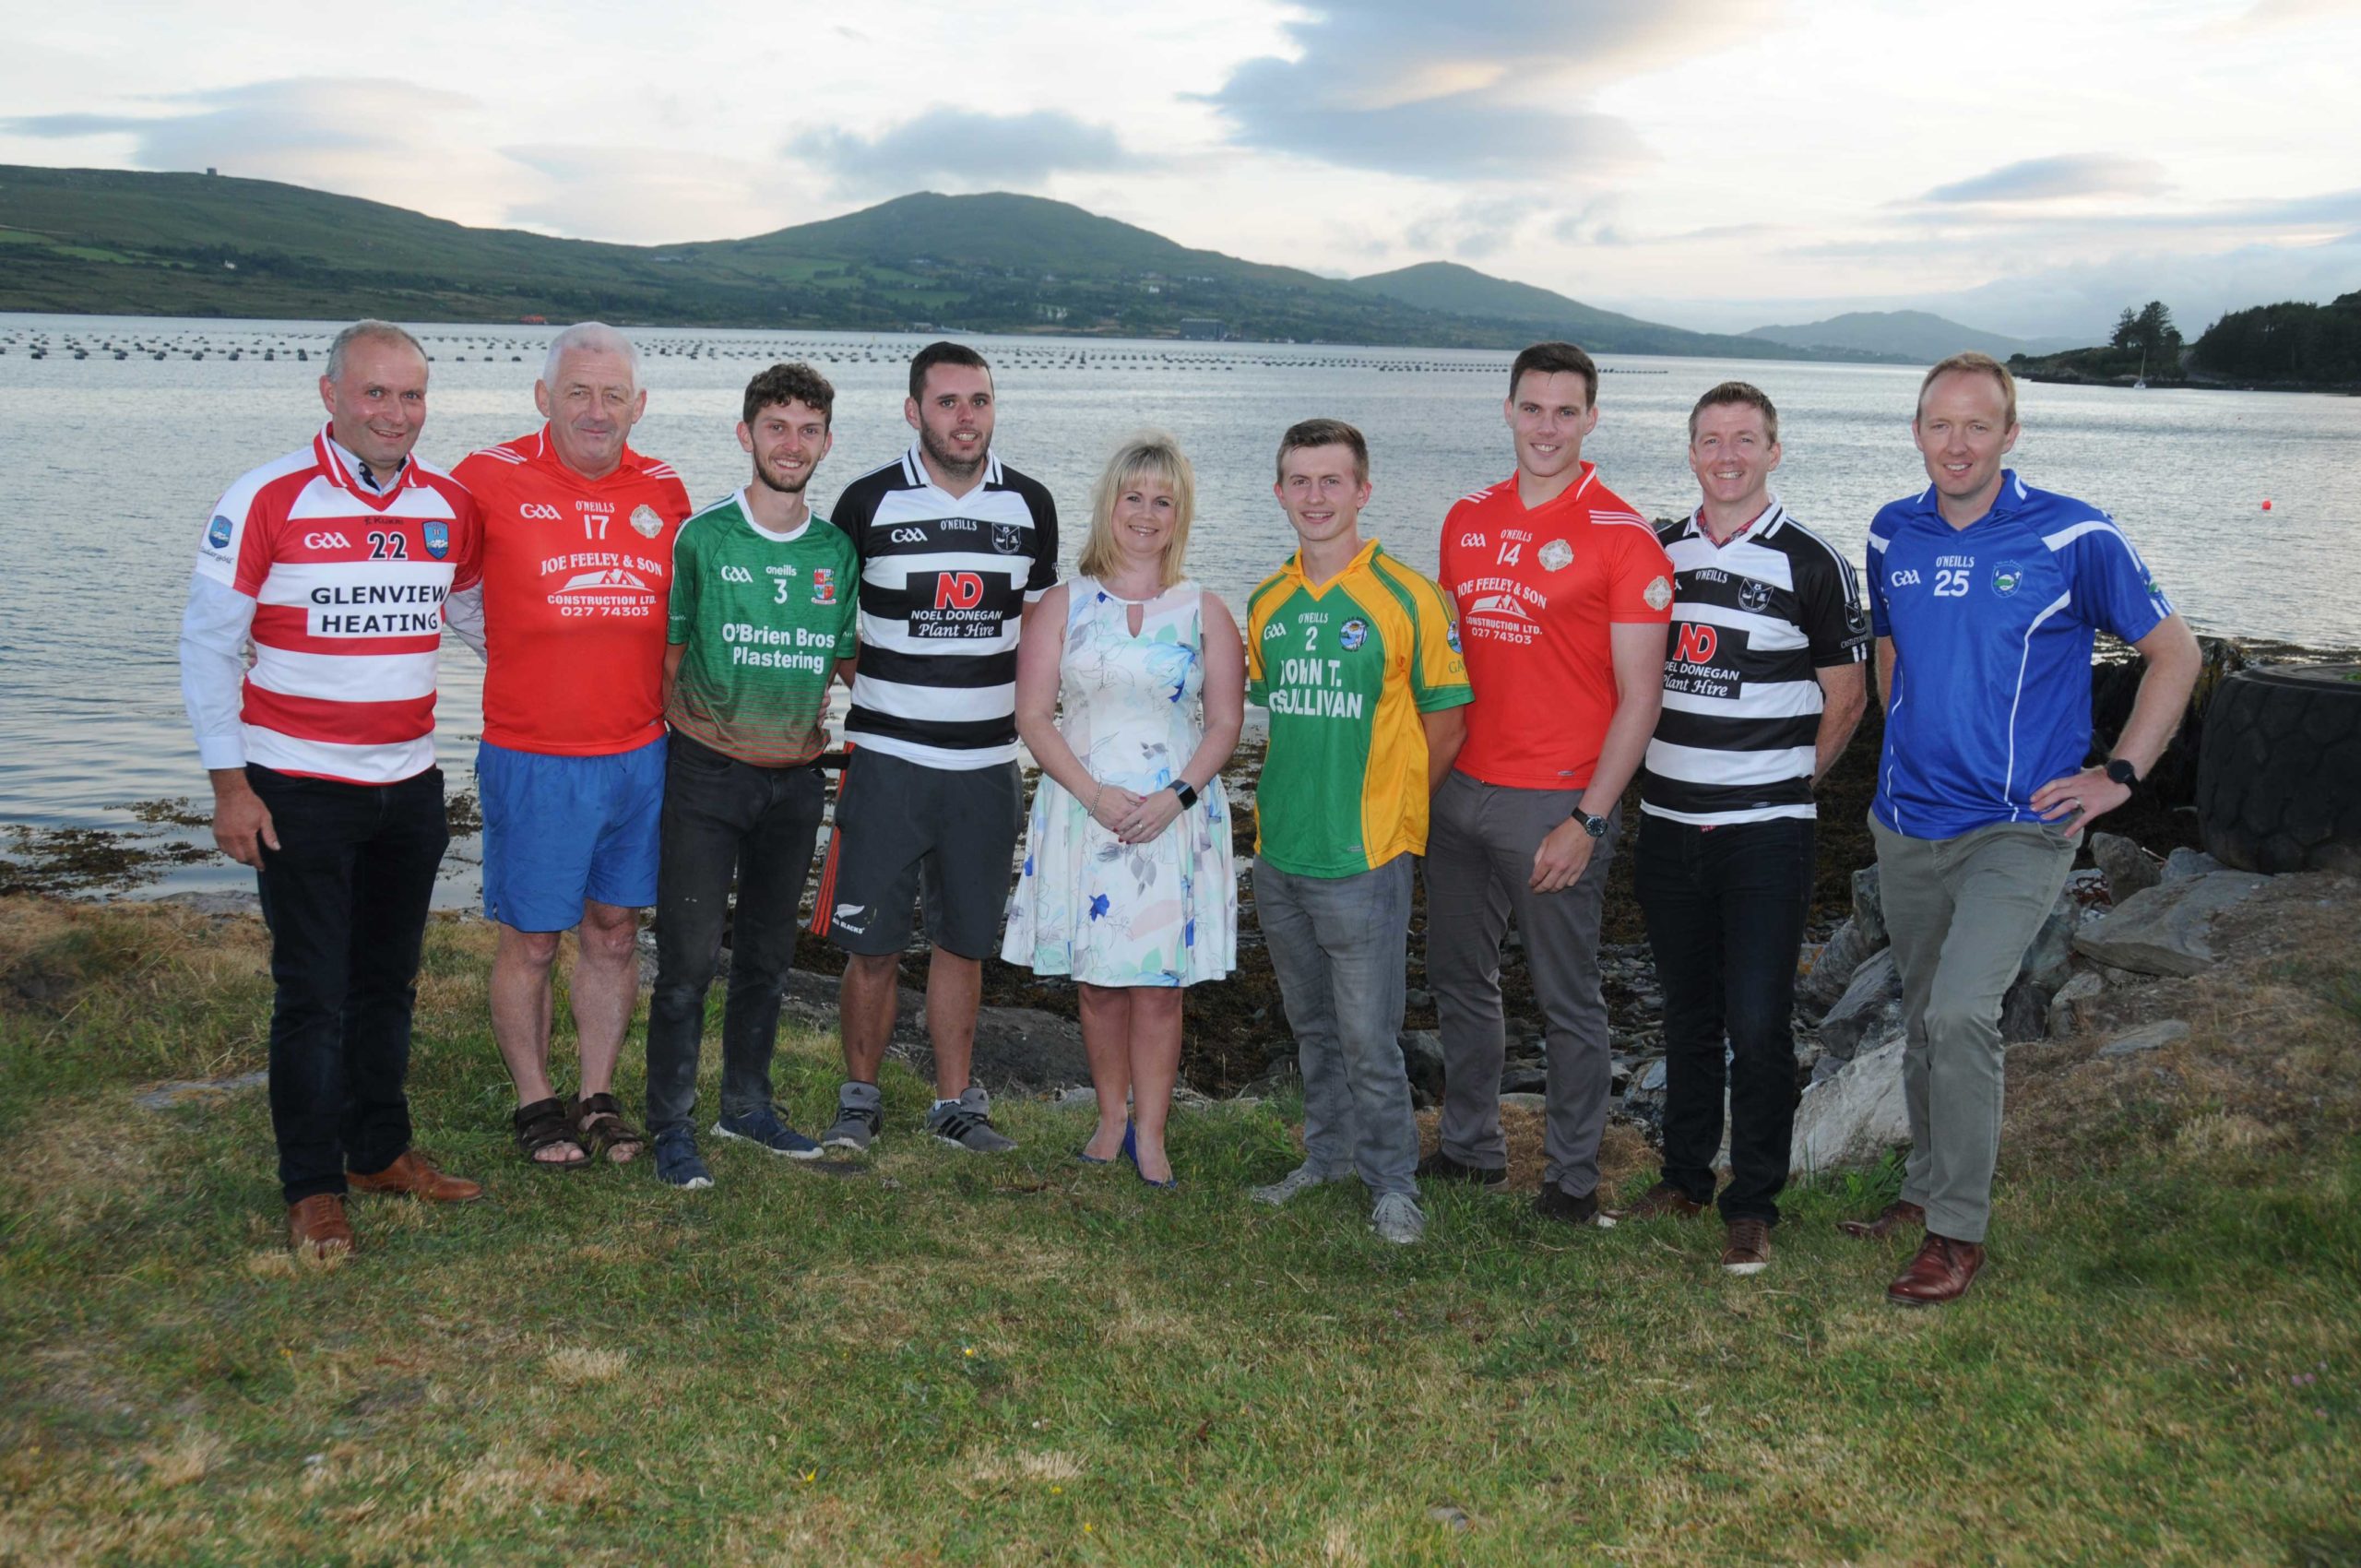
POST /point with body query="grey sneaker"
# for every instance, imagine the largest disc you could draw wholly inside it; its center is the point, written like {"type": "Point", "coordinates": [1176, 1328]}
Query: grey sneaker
{"type": "Point", "coordinates": [1296, 1183]}
{"type": "Point", "coordinates": [858, 1118]}
{"type": "Point", "coordinates": [1396, 1218]}
{"type": "Point", "coordinates": [967, 1121]}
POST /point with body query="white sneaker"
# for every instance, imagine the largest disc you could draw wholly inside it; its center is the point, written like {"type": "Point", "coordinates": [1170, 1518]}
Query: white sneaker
{"type": "Point", "coordinates": [1301, 1180]}
{"type": "Point", "coordinates": [1398, 1219]}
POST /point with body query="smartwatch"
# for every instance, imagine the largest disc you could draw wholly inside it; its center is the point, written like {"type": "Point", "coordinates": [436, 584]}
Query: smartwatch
{"type": "Point", "coordinates": [2123, 773]}
{"type": "Point", "coordinates": [1594, 825]}
{"type": "Point", "coordinates": [1186, 792]}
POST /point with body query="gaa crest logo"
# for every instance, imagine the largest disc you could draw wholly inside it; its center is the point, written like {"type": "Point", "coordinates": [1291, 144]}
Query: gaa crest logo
{"type": "Point", "coordinates": [1556, 555]}
{"type": "Point", "coordinates": [2007, 577]}
{"type": "Point", "coordinates": [1754, 597]}
{"type": "Point", "coordinates": [646, 523]}
{"type": "Point", "coordinates": [1658, 594]}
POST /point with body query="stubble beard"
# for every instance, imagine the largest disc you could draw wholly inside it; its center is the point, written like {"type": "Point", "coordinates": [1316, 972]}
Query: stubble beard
{"type": "Point", "coordinates": [954, 467]}
{"type": "Point", "coordinates": [763, 477]}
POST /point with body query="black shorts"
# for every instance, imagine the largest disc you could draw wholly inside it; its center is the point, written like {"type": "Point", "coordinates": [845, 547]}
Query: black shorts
{"type": "Point", "coordinates": [908, 833]}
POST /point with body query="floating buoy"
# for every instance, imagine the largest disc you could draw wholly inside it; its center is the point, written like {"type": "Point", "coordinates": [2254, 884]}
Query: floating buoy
{"type": "Point", "coordinates": [2266, 505]}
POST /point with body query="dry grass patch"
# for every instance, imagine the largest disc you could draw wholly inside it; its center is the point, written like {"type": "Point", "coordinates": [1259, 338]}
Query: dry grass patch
{"type": "Point", "coordinates": [188, 1459]}
{"type": "Point", "coordinates": [576, 1366]}
{"type": "Point", "coordinates": [994, 1467]}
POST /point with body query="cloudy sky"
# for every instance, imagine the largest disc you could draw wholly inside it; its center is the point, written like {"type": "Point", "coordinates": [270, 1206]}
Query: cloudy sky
{"type": "Point", "coordinates": [2027, 166]}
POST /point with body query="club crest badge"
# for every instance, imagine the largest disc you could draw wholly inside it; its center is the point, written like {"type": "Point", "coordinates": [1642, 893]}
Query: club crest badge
{"type": "Point", "coordinates": [1007, 537]}
{"type": "Point", "coordinates": [646, 523]}
{"type": "Point", "coordinates": [1556, 555]}
{"type": "Point", "coordinates": [1658, 594]}
{"type": "Point", "coordinates": [823, 585]}
{"type": "Point", "coordinates": [438, 537]}
{"type": "Point", "coordinates": [2007, 577]}
{"type": "Point", "coordinates": [1352, 634]}
{"type": "Point", "coordinates": [217, 533]}
{"type": "Point", "coordinates": [1754, 597]}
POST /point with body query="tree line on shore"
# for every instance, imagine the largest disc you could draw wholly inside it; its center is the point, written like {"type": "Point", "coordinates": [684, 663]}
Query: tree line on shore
{"type": "Point", "coordinates": [2289, 344]}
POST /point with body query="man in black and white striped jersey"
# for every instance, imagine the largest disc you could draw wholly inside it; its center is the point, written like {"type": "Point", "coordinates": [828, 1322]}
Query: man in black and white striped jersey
{"type": "Point", "coordinates": [955, 548]}
{"type": "Point", "coordinates": [1764, 683]}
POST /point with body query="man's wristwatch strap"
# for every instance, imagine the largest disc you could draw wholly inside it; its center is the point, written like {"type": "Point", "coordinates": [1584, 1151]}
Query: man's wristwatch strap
{"type": "Point", "coordinates": [1594, 825]}
{"type": "Point", "coordinates": [2123, 773]}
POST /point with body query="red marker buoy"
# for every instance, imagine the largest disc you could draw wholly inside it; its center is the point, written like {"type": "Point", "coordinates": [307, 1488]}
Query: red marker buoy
{"type": "Point", "coordinates": [2266, 505]}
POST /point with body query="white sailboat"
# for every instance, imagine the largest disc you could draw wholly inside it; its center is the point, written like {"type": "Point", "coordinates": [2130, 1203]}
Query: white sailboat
{"type": "Point", "coordinates": [2140, 382]}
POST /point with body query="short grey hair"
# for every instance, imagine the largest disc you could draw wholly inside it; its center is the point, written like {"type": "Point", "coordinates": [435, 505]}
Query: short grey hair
{"type": "Point", "coordinates": [369, 330]}
{"type": "Point", "coordinates": [591, 337]}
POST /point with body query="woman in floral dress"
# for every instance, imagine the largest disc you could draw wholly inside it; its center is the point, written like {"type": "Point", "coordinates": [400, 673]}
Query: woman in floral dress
{"type": "Point", "coordinates": [1130, 685]}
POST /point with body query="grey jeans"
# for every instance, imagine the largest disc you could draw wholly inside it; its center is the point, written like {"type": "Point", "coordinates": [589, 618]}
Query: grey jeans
{"type": "Point", "coordinates": [1962, 912]}
{"type": "Point", "coordinates": [1480, 844]}
{"type": "Point", "coordinates": [1339, 945]}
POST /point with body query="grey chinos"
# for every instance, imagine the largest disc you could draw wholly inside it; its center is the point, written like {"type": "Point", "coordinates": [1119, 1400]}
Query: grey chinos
{"type": "Point", "coordinates": [1480, 844]}
{"type": "Point", "coordinates": [1339, 945]}
{"type": "Point", "coordinates": [1961, 911]}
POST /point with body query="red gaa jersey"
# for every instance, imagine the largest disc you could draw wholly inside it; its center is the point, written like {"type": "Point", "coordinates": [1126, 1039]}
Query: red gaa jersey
{"type": "Point", "coordinates": [1536, 591]}
{"type": "Point", "coordinates": [577, 574]}
{"type": "Point", "coordinates": [348, 585]}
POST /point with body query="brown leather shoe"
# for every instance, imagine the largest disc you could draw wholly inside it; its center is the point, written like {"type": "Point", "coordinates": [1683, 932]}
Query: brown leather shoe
{"type": "Point", "coordinates": [1895, 1216]}
{"type": "Point", "coordinates": [1664, 1201]}
{"type": "Point", "coordinates": [317, 1226]}
{"type": "Point", "coordinates": [1941, 1272]}
{"type": "Point", "coordinates": [1746, 1249]}
{"type": "Point", "coordinates": [414, 1176]}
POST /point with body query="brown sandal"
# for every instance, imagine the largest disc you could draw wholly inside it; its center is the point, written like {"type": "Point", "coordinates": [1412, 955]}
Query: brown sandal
{"type": "Point", "coordinates": [600, 1129]}
{"type": "Point", "coordinates": [540, 1126]}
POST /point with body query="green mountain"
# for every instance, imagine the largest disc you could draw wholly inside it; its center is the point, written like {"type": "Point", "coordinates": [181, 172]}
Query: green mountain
{"type": "Point", "coordinates": [1529, 313]}
{"type": "Point", "coordinates": [1919, 336]}
{"type": "Point", "coordinates": [120, 241]}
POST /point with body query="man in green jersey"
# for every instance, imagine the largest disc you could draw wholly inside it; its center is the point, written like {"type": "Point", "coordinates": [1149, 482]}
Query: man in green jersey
{"type": "Point", "coordinates": [1355, 655]}
{"type": "Point", "coordinates": [762, 618]}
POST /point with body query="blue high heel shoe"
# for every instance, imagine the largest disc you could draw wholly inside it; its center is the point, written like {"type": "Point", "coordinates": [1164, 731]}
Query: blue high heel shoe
{"type": "Point", "coordinates": [1131, 1151]}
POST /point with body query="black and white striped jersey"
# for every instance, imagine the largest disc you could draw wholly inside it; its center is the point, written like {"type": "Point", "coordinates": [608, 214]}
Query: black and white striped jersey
{"type": "Point", "coordinates": [945, 580]}
{"type": "Point", "coordinates": [1753, 622]}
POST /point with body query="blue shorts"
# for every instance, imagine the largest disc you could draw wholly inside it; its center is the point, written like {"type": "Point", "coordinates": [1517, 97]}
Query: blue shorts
{"type": "Point", "coordinates": [560, 829]}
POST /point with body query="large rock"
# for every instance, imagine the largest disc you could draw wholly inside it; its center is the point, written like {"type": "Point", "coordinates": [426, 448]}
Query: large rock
{"type": "Point", "coordinates": [1869, 907]}
{"type": "Point", "coordinates": [2130, 869]}
{"type": "Point", "coordinates": [1422, 1061]}
{"type": "Point", "coordinates": [1853, 1117]}
{"type": "Point", "coordinates": [1832, 971]}
{"type": "Point", "coordinates": [2147, 1037]}
{"type": "Point", "coordinates": [2184, 863]}
{"type": "Point", "coordinates": [2074, 1008]}
{"type": "Point", "coordinates": [2168, 929]}
{"type": "Point", "coordinates": [1870, 1007]}
{"type": "Point", "coordinates": [1018, 1051]}
{"type": "Point", "coordinates": [2025, 1011]}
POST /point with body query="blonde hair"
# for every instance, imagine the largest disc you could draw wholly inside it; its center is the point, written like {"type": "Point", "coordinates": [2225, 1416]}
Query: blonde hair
{"type": "Point", "coordinates": [1975, 364]}
{"type": "Point", "coordinates": [1150, 454]}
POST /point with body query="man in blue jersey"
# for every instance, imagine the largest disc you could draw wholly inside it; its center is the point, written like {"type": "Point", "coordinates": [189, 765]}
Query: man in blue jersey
{"type": "Point", "coordinates": [1985, 594]}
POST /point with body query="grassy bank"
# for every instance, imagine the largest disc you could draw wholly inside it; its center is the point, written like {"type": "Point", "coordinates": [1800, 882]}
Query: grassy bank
{"type": "Point", "coordinates": [937, 1357]}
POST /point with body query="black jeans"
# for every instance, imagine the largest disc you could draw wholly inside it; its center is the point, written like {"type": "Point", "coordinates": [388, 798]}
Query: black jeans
{"type": "Point", "coordinates": [1725, 910]}
{"type": "Point", "coordinates": [723, 816]}
{"type": "Point", "coordinates": [345, 895]}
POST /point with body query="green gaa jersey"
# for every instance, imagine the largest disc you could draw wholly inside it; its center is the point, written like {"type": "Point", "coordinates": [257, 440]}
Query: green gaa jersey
{"type": "Point", "coordinates": [761, 621]}
{"type": "Point", "coordinates": [1345, 670]}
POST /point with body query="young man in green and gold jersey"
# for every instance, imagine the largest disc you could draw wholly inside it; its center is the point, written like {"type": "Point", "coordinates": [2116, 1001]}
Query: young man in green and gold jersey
{"type": "Point", "coordinates": [762, 618]}
{"type": "Point", "coordinates": [1355, 659]}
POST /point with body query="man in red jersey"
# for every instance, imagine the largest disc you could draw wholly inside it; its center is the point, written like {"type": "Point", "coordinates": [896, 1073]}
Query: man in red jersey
{"type": "Point", "coordinates": [577, 572]}
{"type": "Point", "coordinates": [1563, 595]}
{"type": "Point", "coordinates": [333, 563]}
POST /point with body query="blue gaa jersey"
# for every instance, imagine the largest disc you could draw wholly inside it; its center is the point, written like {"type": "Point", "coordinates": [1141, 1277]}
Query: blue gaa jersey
{"type": "Point", "coordinates": [1992, 626]}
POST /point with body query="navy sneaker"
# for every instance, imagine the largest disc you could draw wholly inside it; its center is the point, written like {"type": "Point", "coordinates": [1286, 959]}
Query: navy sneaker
{"type": "Point", "coordinates": [764, 1129]}
{"type": "Point", "coordinates": [677, 1161]}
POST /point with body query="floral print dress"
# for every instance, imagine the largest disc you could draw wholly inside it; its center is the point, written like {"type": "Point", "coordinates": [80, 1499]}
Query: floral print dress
{"type": "Point", "coordinates": [1132, 706]}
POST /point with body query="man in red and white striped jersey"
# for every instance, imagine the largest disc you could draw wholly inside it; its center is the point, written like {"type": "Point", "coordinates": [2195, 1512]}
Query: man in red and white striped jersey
{"type": "Point", "coordinates": [333, 563]}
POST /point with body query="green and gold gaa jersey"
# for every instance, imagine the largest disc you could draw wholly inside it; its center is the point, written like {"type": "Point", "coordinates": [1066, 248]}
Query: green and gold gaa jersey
{"type": "Point", "coordinates": [1346, 671]}
{"type": "Point", "coordinates": [765, 620]}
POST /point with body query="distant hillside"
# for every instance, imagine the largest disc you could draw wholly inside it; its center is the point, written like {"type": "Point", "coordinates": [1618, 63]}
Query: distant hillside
{"type": "Point", "coordinates": [1915, 336]}
{"type": "Point", "coordinates": [116, 242]}
{"type": "Point", "coordinates": [2293, 344]}
{"type": "Point", "coordinates": [1537, 313]}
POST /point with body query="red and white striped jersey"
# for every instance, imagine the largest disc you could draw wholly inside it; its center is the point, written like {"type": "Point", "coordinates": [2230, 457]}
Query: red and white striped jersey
{"type": "Point", "coordinates": [349, 586]}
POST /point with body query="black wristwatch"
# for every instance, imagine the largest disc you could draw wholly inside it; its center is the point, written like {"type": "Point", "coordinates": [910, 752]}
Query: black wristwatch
{"type": "Point", "coordinates": [1185, 791]}
{"type": "Point", "coordinates": [2123, 773]}
{"type": "Point", "coordinates": [1594, 825]}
